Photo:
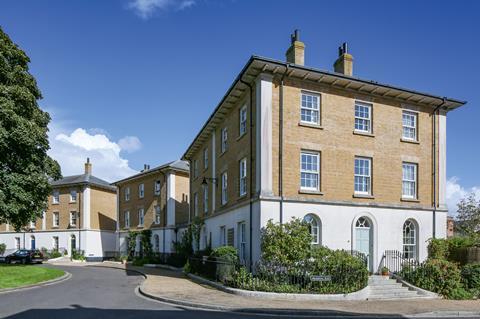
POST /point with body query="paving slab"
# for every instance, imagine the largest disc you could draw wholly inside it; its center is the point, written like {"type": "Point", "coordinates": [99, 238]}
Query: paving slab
{"type": "Point", "coordinates": [175, 287]}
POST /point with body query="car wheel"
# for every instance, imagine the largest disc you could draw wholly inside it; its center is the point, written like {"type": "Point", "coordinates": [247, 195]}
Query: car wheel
{"type": "Point", "coordinates": [8, 261]}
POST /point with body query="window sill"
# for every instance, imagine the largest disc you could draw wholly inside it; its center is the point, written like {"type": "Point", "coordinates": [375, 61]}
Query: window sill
{"type": "Point", "coordinates": [55, 203]}
{"type": "Point", "coordinates": [412, 200]}
{"type": "Point", "coordinates": [355, 132]}
{"type": "Point", "coordinates": [241, 197]}
{"type": "Point", "coordinates": [140, 226]}
{"type": "Point", "coordinates": [404, 140]}
{"type": "Point", "coordinates": [241, 136]}
{"type": "Point", "coordinates": [311, 192]}
{"type": "Point", "coordinates": [221, 154]}
{"type": "Point", "coordinates": [311, 125]}
{"type": "Point", "coordinates": [55, 227]}
{"type": "Point", "coordinates": [363, 196]}
{"type": "Point", "coordinates": [73, 202]}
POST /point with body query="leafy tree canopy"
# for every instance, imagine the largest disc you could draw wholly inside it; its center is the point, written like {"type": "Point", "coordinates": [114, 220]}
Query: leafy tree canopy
{"type": "Point", "coordinates": [25, 167]}
{"type": "Point", "coordinates": [468, 215]}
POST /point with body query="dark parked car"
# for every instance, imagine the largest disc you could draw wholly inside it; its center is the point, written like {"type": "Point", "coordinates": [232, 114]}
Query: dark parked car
{"type": "Point", "coordinates": [25, 256]}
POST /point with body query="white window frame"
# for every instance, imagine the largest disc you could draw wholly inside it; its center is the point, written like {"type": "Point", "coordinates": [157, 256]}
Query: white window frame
{"type": "Point", "coordinates": [158, 214]}
{"type": "Point", "coordinates": [56, 219]}
{"type": "Point", "coordinates": [243, 177]}
{"type": "Point", "coordinates": [126, 218]}
{"type": "Point", "coordinates": [314, 225]}
{"type": "Point", "coordinates": [205, 158]}
{"type": "Point", "coordinates": [56, 196]}
{"type": "Point", "coordinates": [242, 242]}
{"type": "Point", "coordinates": [224, 188]}
{"type": "Point", "coordinates": [73, 199]}
{"type": "Point", "coordinates": [408, 247]}
{"type": "Point", "coordinates": [223, 236]}
{"type": "Point", "coordinates": [414, 115]}
{"type": "Point", "coordinates": [127, 194]}
{"type": "Point", "coordinates": [362, 120]}
{"type": "Point", "coordinates": [195, 204]}
{"type": "Point", "coordinates": [242, 121]}
{"type": "Point", "coordinates": [311, 172]}
{"type": "Point", "coordinates": [205, 199]}
{"type": "Point", "coordinates": [73, 218]}
{"type": "Point", "coordinates": [141, 190]}
{"type": "Point", "coordinates": [32, 225]}
{"type": "Point", "coordinates": [157, 186]}
{"type": "Point", "coordinates": [224, 140]}
{"type": "Point", "coordinates": [314, 110]}
{"type": "Point", "coordinates": [141, 217]}
{"type": "Point", "coordinates": [367, 178]}
{"type": "Point", "coordinates": [413, 181]}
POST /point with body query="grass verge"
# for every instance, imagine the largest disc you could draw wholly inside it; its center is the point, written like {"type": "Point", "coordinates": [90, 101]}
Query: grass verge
{"type": "Point", "coordinates": [15, 276]}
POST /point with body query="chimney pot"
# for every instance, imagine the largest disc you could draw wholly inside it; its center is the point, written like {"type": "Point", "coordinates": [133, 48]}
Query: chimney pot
{"type": "Point", "coordinates": [296, 52]}
{"type": "Point", "coordinates": [344, 63]}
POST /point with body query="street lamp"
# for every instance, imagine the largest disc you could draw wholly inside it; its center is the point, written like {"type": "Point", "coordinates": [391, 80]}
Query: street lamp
{"type": "Point", "coordinates": [209, 179]}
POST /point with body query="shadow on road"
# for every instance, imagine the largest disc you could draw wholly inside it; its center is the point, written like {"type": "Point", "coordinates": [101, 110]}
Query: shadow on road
{"type": "Point", "coordinates": [77, 312]}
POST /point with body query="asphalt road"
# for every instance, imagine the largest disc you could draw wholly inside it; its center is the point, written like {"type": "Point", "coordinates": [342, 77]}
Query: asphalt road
{"type": "Point", "coordinates": [103, 293]}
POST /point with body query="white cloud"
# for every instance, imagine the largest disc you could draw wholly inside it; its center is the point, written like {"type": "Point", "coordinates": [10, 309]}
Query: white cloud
{"type": "Point", "coordinates": [455, 192]}
{"type": "Point", "coordinates": [130, 144]}
{"type": "Point", "coordinates": [71, 151]}
{"type": "Point", "coordinates": [145, 8]}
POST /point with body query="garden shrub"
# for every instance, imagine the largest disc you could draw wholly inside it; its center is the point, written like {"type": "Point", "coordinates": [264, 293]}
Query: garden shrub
{"type": "Point", "coordinates": [3, 247]}
{"type": "Point", "coordinates": [437, 248]}
{"type": "Point", "coordinates": [471, 278]}
{"type": "Point", "coordinates": [78, 255]}
{"type": "Point", "coordinates": [437, 275]}
{"type": "Point", "coordinates": [55, 254]}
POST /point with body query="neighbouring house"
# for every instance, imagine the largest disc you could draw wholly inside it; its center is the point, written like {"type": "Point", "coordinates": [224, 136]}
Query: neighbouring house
{"type": "Point", "coordinates": [81, 215]}
{"type": "Point", "coordinates": [154, 199]}
{"type": "Point", "coordinates": [450, 226]}
{"type": "Point", "coordinates": [364, 163]}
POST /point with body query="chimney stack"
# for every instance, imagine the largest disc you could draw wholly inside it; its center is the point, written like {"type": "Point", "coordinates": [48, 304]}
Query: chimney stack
{"type": "Point", "coordinates": [344, 63]}
{"type": "Point", "coordinates": [296, 51]}
{"type": "Point", "coordinates": [88, 167]}
{"type": "Point", "coordinates": [146, 167]}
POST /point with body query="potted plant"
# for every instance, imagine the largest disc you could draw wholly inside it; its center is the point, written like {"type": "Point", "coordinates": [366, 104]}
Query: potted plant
{"type": "Point", "coordinates": [385, 271]}
{"type": "Point", "coordinates": [123, 259]}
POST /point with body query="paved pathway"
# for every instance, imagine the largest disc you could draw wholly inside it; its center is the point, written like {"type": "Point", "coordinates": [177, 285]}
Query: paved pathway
{"type": "Point", "coordinates": [174, 285]}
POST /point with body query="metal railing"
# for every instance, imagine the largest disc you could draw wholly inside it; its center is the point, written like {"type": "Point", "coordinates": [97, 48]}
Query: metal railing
{"type": "Point", "coordinates": [396, 262]}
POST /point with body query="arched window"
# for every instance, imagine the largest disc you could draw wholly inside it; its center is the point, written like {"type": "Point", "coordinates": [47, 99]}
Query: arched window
{"type": "Point", "coordinates": [362, 222]}
{"type": "Point", "coordinates": [314, 227]}
{"type": "Point", "coordinates": [410, 233]}
{"type": "Point", "coordinates": [156, 243]}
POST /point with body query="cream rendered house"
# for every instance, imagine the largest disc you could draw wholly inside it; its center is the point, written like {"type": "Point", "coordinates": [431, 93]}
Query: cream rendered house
{"type": "Point", "coordinates": [363, 162]}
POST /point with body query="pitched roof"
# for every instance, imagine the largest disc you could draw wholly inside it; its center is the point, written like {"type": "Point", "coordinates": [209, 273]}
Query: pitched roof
{"type": "Point", "coordinates": [83, 179]}
{"type": "Point", "coordinates": [177, 165]}
{"type": "Point", "coordinates": [257, 65]}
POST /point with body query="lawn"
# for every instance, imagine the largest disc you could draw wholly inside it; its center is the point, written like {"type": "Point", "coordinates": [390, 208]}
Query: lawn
{"type": "Point", "coordinates": [12, 276]}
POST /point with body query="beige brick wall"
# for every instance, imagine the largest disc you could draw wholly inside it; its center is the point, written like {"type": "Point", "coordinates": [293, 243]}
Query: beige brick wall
{"type": "Point", "coordinates": [338, 146]}
{"type": "Point", "coordinates": [238, 147]}
{"type": "Point", "coordinates": [151, 200]}
{"type": "Point", "coordinates": [64, 207]}
{"type": "Point", "coordinates": [103, 209]}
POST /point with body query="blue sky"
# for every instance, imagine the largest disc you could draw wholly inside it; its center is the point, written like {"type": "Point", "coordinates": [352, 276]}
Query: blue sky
{"type": "Point", "coordinates": [129, 82]}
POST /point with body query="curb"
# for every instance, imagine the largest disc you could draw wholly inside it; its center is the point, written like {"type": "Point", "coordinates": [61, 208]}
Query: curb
{"type": "Point", "coordinates": [117, 268]}
{"type": "Point", "coordinates": [447, 314]}
{"type": "Point", "coordinates": [66, 276]}
{"type": "Point", "coordinates": [359, 295]}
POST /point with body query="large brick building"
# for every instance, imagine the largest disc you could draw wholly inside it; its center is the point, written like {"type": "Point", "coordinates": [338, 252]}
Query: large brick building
{"type": "Point", "coordinates": [155, 199]}
{"type": "Point", "coordinates": [81, 215]}
{"type": "Point", "coordinates": [363, 162]}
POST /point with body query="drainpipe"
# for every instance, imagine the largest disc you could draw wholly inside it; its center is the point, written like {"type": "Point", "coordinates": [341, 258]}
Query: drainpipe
{"type": "Point", "coordinates": [250, 253]}
{"type": "Point", "coordinates": [434, 151]}
{"type": "Point", "coordinates": [166, 212]}
{"type": "Point", "coordinates": [280, 145]}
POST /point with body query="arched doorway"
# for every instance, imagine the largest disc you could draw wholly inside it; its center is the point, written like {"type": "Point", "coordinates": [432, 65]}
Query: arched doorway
{"type": "Point", "coordinates": [32, 242]}
{"type": "Point", "coordinates": [364, 239]}
{"type": "Point", "coordinates": [73, 244]}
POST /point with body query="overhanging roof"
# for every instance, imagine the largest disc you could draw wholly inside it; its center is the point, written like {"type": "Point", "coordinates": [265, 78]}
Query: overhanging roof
{"type": "Point", "coordinates": [257, 65]}
{"type": "Point", "coordinates": [178, 165]}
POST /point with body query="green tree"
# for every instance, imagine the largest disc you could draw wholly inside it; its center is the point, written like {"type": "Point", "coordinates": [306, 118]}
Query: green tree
{"type": "Point", "coordinates": [468, 215]}
{"type": "Point", "coordinates": [286, 243]}
{"type": "Point", "coordinates": [25, 167]}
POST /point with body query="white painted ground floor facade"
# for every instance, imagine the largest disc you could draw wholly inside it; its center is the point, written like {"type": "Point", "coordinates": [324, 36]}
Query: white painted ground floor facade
{"type": "Point", "coordinates": [162, 240]}
{"type": "Point", "coordinates": [367, 229]}
{"type": "Point", "coordinates": [97, 244]}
